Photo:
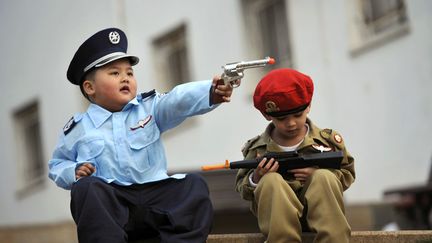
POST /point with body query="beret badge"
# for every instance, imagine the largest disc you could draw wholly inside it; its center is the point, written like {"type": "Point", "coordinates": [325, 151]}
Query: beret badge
{"type": "Point", "coordinates": [271, 107]}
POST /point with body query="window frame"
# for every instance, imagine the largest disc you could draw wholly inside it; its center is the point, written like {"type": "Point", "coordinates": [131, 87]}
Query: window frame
{"type": "Point", "coordinates": [29, 149]}
{"type": "Point", "coordinates": [253, 10]}
{"type": "Point", "coordinates": [367, 32]}
{"type": "Point", "coordinates": [165, 48]}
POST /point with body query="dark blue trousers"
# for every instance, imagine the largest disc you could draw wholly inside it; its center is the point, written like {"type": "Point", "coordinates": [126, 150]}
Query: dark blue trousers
{"type": "Point", "coordinates": [174, 210]}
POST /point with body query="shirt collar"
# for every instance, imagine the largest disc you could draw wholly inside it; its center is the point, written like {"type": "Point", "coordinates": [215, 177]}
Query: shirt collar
{"type": "Point", "coordinates": [131, 103]}
{"type": "Point", "coordinates": [98, 115]}
{"type": "Point", "coordinates": [266, 140]}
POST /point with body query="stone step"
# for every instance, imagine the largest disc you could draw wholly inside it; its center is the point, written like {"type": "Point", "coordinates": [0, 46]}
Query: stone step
{"type": "Point", "coordinates": [404, 236]}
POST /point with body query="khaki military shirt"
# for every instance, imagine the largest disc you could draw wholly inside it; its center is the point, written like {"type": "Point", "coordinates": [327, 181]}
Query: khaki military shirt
{"type": "Point", "coordinates": [316, 137]}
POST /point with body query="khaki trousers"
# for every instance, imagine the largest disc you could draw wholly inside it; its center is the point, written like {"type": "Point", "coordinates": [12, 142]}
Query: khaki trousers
{"type": "Point", "coordinates": [279, 208]}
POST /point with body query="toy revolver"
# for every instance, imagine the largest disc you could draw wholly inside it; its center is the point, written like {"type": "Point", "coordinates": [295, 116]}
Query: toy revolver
{"type": "Point", "coordinates": [234, 71]}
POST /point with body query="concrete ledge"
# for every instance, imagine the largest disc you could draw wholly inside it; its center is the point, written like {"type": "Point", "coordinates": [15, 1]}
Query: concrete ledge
{"type": "Point", "coordinates": [415, 236]}
{"type": "Point", "coordinates": [236, 238]}
{"type": "Point", "coordinates": [403, 236]}
{"type": "Point", "coordinates": [64, 232]}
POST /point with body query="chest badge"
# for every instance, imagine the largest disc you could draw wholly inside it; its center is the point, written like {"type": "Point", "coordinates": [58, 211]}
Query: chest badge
{"type": "Point", "coordinates": [321, 148]}
{"type": "Point", "coordinates": [141, 123]}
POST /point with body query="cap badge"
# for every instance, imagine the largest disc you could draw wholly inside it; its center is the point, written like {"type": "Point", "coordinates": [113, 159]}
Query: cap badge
{"type": "Point", "coordinates": [271, 107]}
{"type": "Point", "coordinates": [114, 37]}
{"type": "Point", "coordinates": [321, 148]}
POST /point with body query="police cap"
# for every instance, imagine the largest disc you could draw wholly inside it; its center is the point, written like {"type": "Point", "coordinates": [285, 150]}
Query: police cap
{"type": "Point", "coordinates": [101, 48]}
{"type": "Point", "coordinates": [282, 92]}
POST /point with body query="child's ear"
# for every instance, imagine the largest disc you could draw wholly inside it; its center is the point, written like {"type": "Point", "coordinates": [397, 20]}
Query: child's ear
{"type": "Point", "coordinates": [88, 87]}
{"type": "Point", "coordinates": [308, 109]}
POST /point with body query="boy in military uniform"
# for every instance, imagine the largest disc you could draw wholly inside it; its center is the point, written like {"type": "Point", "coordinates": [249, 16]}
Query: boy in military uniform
{"type": "Point", "coordinates": [112, 159]}
{"type": "Point", "coordinates": [310, 197]}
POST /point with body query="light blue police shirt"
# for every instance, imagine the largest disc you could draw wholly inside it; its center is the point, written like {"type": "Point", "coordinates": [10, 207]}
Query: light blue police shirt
{"type": "Point", "coordinates": [126, 147]}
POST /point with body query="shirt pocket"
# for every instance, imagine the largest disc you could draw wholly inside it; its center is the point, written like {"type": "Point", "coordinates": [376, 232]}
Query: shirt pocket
{"type": "Point", "coordinates": [90, 149]}
{"type": "Point", "coordinates": [143, 137]}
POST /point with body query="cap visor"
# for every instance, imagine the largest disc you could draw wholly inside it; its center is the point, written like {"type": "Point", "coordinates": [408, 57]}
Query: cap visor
{"type": "Point", "coordinates": [133, 60]}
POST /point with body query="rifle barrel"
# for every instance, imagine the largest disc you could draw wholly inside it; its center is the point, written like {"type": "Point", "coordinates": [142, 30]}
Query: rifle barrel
{"type": "Point", "coordinates": [287, 161]}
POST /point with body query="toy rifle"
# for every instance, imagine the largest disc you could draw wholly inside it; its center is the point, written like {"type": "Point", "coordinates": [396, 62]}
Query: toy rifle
{"type": "Point", "coordinates": [287, 161]}
{"type": "Point", "coordinates": [232, 72]}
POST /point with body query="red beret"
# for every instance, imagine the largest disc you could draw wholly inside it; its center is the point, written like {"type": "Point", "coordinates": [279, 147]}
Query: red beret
{"type": "Point", "coordinates": [282, 92]}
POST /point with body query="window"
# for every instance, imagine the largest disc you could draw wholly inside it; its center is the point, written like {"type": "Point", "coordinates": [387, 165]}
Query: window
{"type": "Point", "coordinates": [31, 168]}
{"type": "Point", "coordinates": [375, 22]}
{"type": "Point", "coordinates": [171, 58]}
{"type": "Point", "coordinates": [267, 23]}
{"type": "Point", "coordinates": [383, 14]}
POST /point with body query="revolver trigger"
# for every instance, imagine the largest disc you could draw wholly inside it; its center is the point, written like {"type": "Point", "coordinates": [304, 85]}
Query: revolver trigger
{"type": "Point", "coordinates": [235, 83]}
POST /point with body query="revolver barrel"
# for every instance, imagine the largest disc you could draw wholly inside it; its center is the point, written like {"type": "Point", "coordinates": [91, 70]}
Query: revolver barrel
{"type": "Point", "coordinates": [256, 63]}
{"type": "Point", "coordinates": [234, 71]}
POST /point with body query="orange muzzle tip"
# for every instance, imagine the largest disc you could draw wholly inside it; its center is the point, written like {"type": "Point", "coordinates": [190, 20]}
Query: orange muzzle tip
{"type": "Point", "coordinates": [216, 167]}
{"type": "Point", "coordinates": [271, 61]}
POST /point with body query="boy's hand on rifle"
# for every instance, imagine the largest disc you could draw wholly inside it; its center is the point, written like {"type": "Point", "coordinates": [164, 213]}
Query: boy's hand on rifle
{"type": "Point", "coordinates": [220, 92]}
{"type": "Point", "coordinates": [303, 174]}
{"type": "Point", "coordinates": [263, 168]}
{"type": "Point", "coordinates": [85, 169]}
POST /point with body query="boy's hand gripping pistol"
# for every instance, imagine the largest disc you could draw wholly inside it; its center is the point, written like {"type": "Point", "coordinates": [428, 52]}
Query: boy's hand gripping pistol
{"type": "Point", "coordinates": [233, 72]}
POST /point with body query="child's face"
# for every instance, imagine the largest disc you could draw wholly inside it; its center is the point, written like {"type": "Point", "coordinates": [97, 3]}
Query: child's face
{"type": "Point", "coordinates": [290, 126]}
{"type": "Point", "coordinates": [114, 85]}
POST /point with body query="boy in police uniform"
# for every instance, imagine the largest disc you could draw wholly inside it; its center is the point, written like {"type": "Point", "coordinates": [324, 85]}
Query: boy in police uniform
{"type": "Point", "coordinates": [112, 158]}
{"type": "Point", "coordinates": [309, 197]}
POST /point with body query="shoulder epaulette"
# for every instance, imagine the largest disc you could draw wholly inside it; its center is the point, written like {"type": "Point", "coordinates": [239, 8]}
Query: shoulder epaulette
{"type": "Point", "coordinates": [148, 94]}
{"type": "Point", "coordinates": [69, 126]}
{"type": "Point", "coordinates": [72, 122]}
{"type": "Point", "coordinates": [332, 136]}
{"type": "Point", "coordinates": [325, 133]}
{"type": "Point", "coordinates": [249, 144]}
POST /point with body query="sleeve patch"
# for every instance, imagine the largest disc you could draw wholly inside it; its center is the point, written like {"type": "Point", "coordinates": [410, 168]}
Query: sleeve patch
{"type": "Point", "coordinates": [338, 138]}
